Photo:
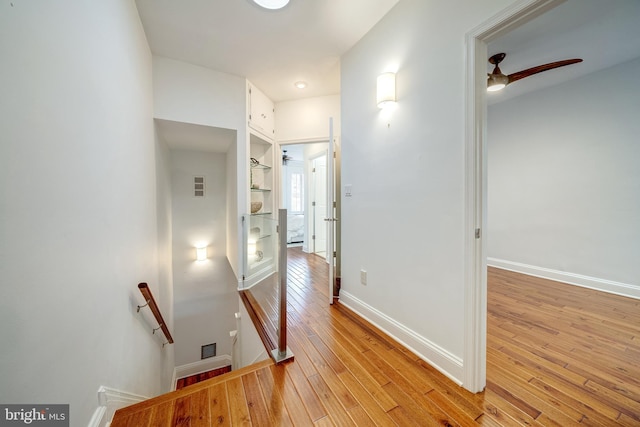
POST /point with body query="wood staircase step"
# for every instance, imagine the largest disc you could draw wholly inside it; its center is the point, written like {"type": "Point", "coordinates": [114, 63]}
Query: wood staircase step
{"type": "Point", "coordinates": [121, 416]}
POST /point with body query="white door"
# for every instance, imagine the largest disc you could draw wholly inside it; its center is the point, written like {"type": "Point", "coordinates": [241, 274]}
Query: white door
{"type": "Point", "coordinates": [319, 205]}
{"type": "Point", "coordinates": [330, 219]}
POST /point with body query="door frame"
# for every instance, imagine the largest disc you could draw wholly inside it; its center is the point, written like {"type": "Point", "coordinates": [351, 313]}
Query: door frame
{"type": "Point", "coordinates": [475, 281]}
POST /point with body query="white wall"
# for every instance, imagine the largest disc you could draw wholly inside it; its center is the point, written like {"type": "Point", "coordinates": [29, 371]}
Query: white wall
{"type": "Point", "coordinates": [307, 119]}
{"type": "Point", "coordinates": [191, 94]}
{"type": "Point", "coordinates": [250, 345]}
{"type": "Point", "coordinates": [78, 209]}
{"type": "Point", "coordinates": [204, 291]}
{"type": "Point", "coordinates": [404, 223]}
{"type": "Point", "coordinates": [165, 259]}
{"type": "Point", "coordinates": [564, 183]}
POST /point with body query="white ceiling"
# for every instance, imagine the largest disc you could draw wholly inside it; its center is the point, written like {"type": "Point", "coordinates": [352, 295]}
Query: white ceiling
{"type": "Point", "coordinates": [188, 136]}
{"type": "Point", "coordinates": [305, 40]}
{"type": "Point", "coordinates": [603, 33]}
{"type": "Point", "coordinates": [272, 49]}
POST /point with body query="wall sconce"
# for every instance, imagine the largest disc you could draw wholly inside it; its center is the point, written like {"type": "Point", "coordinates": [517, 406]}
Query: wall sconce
{"type": "Point", "coordinates": [386, 95]}
{"type": "Point", "coordinates": [201, 254]}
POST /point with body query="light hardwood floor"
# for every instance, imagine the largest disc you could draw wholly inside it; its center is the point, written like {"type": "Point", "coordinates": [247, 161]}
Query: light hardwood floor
{"type": "Point", "coordinates": [558, 355]}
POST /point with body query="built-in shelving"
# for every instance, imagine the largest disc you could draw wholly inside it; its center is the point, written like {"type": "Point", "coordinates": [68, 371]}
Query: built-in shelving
{"type": "Point", "coordinates": [260, 227]}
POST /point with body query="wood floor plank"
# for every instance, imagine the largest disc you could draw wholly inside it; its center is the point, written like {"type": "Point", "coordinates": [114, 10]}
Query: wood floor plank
{"type": "Point", "coordinates": [312, 403]}
{"type": "Point", "coordinates": [366, 400]}
{"type": "Point", "coordinates": [353, 361]}
{"type": "Point", "coordinates": [335, 410]}
{"type": "Point", "coordinates": [238, 407]}
{"type": "Point", "coordinates": [219, 405]}
{"type": "Point", "coordinates": [182, 411]}
{"type": "Point", "coordinates": [255, 400]}
{"type": "Point", "coordinates": [200, 412]}
{"type": "Point", "coordinates": [290, 396]}
{"type": "Point", "coordinates": [276, 407]}
{"type": "Point", "coordinates": [161, 415]}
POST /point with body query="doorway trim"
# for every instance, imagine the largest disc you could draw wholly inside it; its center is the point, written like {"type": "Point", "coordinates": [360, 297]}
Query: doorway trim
{"type": "Point", "coordinates": [475, 280]}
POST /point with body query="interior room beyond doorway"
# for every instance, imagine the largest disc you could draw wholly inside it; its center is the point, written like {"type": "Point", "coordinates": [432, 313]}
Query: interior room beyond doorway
{"type": "Point", "coordinates": [303, 181]}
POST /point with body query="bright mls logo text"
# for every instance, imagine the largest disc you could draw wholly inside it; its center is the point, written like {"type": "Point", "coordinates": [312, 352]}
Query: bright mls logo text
{"type": "Point", "coordinates": [40, 415]}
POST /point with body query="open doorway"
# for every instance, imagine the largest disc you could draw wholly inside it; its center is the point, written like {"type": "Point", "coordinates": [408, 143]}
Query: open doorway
{"type": "Point", "coordinates": [552, 154]}
{"type": "Point", "coordinates": [303, 185]}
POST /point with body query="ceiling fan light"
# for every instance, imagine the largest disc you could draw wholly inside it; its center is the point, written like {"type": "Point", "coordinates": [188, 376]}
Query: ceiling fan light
{"type": "Point", "coordinates": [496, 82]}
{"type": "Point", "coordinates": [271, 4]}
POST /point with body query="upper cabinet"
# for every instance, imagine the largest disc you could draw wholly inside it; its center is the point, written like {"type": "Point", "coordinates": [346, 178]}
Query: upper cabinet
{"type": "Point", "coordinates": [261, 112]}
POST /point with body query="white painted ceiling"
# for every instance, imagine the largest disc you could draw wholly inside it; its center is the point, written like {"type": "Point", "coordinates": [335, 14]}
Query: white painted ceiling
{"type": "Point", "coordinates": [603, 33]}
{"type": "Point", "coordinates": [189, 136]}
{"type": "Point", "coordinates": [304, 41]}
{"type": "Point", "coordinates": [272, 49]}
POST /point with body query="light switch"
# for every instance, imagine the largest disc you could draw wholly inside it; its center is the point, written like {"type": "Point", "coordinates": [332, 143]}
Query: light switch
{"type": "Point", "coordinates": [347, 190]}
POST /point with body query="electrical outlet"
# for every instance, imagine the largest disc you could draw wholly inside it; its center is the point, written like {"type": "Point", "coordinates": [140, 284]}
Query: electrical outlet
{"type": "Point", "coordinates": [363, 277]}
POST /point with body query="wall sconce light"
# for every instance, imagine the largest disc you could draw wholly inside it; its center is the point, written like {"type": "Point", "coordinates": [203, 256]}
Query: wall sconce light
{"type": "Point", "coordinates": [201, 254]}
{"type": "Point", "coordinates": [386, 90]}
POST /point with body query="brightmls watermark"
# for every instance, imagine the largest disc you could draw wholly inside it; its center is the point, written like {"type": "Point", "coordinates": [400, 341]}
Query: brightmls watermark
{"type": "Point", "coordinates": [37, 415]}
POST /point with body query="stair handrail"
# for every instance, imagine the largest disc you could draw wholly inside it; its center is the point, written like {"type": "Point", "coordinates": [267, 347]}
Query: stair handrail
{"type": "Point", "coordinates": [151, 303]}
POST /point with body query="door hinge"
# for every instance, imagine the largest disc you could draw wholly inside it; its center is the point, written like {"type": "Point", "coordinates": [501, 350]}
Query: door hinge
{"type": "Point", "coordinates": [335, 254]}
{"type": "Point", "coordinates": [334, 154]}
{"type": "Point", "coordinates": [313, 170]}
{"type": "Point", "coordinates": [313, 237]}
{"type": "Point", "coordinates": [334, 205]}
{"type": "Point", "coordinates": [477, 233]}
{"type": "Point", "coordinates": [313, 203]}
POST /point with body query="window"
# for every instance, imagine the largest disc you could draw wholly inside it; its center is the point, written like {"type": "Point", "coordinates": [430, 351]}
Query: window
{"type": "Point", "coordinates": [297, 193]}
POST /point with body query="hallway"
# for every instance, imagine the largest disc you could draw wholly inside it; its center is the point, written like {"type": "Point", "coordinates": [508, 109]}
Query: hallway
{"type": "Point", "coordinates": [347, 372]}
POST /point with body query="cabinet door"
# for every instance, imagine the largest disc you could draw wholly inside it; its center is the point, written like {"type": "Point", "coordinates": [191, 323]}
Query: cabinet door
{"type": "Point", "coordinates": [261, 112]}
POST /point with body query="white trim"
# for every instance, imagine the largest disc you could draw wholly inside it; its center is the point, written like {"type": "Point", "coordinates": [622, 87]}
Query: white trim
{"type": "Point", "coordinates": [208, 364]}
{"type": "Point", "coordinates": [304, 141]}
{"type": "Point", "coordinates": [257, 277]}
{"type": "Point", "coordinates": [445, 362]}
{"type": "Point", "coordinates": [598, 284]}
{"type": "Point", "coordinates": [110, 400]}
{"type": "Point", "coordinates": [475, 285]}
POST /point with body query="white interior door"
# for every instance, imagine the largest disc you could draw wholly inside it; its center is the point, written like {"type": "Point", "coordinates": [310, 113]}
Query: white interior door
{"type": "Point", "coordinates": [320, 205]}
{"type": "Point", "coordinates": [330, 220]}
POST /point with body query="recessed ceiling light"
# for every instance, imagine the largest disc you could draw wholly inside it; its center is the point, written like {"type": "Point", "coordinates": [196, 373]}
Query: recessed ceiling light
{"type": "Point", "coordinates": [300, 84]}
{"type": "Point", "coordinates": [271, 4]}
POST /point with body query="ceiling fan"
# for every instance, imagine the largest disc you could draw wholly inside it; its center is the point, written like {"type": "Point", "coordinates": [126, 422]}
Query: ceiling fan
{"type": "Point", "coordinates": [497, 80]}
{"type": "Point", "coordinates": [285, 158]}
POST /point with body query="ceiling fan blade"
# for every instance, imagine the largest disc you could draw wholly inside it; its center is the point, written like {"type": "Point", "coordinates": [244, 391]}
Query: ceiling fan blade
{"type": "Point", "coordinates": [540, 68]}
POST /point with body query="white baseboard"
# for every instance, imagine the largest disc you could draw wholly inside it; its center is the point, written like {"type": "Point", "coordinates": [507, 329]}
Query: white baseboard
{"type": "Point", "coordinates": [109, 401]}
{"type": "Point", "coordinates": [445, 362]}
{"type": "Point", "coordinates": [598, 284]}
{"type": "Point", "coordinates": [208, 364]}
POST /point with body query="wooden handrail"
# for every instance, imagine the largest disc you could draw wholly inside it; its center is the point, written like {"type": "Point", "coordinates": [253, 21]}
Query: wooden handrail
{"type": "Point", "coordinates": [146, 293]}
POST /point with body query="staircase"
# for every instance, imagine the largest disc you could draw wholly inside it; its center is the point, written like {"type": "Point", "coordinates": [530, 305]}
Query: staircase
{"type": "Point", "coordinates": [221, 400]}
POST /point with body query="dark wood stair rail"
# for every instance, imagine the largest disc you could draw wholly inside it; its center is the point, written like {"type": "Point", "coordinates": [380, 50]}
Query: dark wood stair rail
{"type": "Point", "coordinates": [151, 302]}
